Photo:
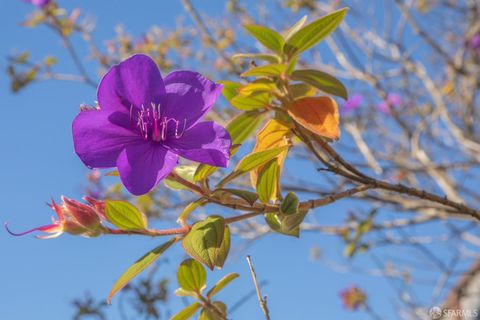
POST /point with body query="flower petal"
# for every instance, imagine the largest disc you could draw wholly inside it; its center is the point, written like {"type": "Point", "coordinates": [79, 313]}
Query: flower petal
{"type": "Point", "coordinates": [51, 228]}
{"type": "Point", "coordinates": [206, 142]}
{"type": "Point", "coordinates": [189, 96]}
{"type": "Point", "coordinates": [135, 82]}
{"type": "Point", "coordinates": [98, 140]}
{"type": "Point", "coordinates": [142, 166]}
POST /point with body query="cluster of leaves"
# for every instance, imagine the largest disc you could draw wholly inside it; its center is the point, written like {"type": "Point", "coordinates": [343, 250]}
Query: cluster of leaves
{"type": "Point", "coordinates": [22, 71]}
{"type": "Point", "coordinates": [192, 279]}
{"type": "Point", "coordinates": [276, 88]}
{"type": "Point", "coordinates": [276, 94]}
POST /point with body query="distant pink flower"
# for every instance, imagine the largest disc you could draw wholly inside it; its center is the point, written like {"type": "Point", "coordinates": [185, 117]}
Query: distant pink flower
{"type": "Point", "coordinates": [393, 100]}
{"type": "Point", "coordinates": [353, 298]}
{"type": "Point", "coordinates": [38, 3]}
{"type": "Point", "coordinates": [353, 103]}
{"type": "Point", "coordinates": [474, 43]}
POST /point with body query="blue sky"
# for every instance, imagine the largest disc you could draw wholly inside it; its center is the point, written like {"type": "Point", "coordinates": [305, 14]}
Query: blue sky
{"type": "Point", "coordinates": [40, 278]}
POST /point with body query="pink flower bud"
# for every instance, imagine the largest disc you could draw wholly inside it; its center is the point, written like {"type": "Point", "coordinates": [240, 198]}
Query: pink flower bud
{"type": "Point", "coordinates": [84, 214]}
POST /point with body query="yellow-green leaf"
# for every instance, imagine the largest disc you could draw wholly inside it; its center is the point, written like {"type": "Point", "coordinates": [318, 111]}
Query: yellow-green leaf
{"type": "Point", "coordinates": [309, 35]}
{"type": "Point", "coordinates": [269, 70]}
{"type": "Point", "coordinates": [267, 182]}
{"type": "Point", "coordinates": [257, 159]}
{"type": "Point", "coordinates": [187, 312]}
{"type": "Point", "coordinates": [191, 276]}
{"type": "Point", "coordinates": [248, 196]}
{"type": "Point", "coordinates": [189, 209]}
{"type": "Point", "coordinates": [297, 26]}
{"type": "Point", "coordinates": [185, 172]}
{"type": "Point", "coordinates": [140, 265]}
{"type": "Point", "coordinates": [222, 283]}
{"type": "Point", "coordinates": [256, 56]}
{"type": "Point", "coordinates": [268, 37]}
{"type": "Point", "coordinates": [253, 88]}
{"type": "Point", "coordinates": [252, 102]}
{"type": "Point", "coordinates": [289, 205]}
{"type": "Point", "coordinates": [204, 241]}
{"type": "Point", "coordinates": [242, 126]}
{"type": "Point", "coordinates": [208, 314]}
{"type": "Point", "coordinates": [124, 215]}
{"type": "Point", "coordinates": [322, 81]}
{"type": "Point", "coordinates": [205, 170]}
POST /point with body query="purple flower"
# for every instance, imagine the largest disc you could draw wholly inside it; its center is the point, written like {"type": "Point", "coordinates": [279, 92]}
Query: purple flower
{"type": "Point", "coordinates": [475, 42]}
{"type": "Point", "coordinates": [38, 3]}
{"type": "Point", "coordinates": [353, 103]}
{"type": "Point", "coordinates": [144, 123]}
{"type": "Point", "coordinates": [393, 100]}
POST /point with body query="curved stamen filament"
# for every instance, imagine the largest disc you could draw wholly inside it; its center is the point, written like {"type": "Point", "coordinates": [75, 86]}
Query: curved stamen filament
{"type": "Point", "coordinates": [153, 127]}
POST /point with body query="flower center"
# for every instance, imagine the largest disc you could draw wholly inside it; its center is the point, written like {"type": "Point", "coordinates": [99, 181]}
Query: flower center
{"type": "Point", "coordinates": [153, 126]}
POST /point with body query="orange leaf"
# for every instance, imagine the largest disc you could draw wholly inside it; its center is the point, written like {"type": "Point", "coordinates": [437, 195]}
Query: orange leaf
{"type": "Point", "coordinates": [318, 115]}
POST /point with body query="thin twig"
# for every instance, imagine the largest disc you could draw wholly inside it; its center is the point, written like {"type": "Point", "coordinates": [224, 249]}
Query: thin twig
{"type": "Point", "coordinates": [262, 301]}
{"type": "Point", "coordinates": [201, 24]}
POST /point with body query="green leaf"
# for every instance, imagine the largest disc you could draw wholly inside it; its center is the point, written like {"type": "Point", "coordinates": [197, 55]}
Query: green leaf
{"type": "Point", "coordinates": [311, 34]}
{"type": "Point", "coordinates": [269, 70]}
{"type": "Point", "coordinates": [289, 204]}
{"type": "Point", "coordinates": [222, 283]}
{"type": "Point", "coordinates": [230, 89]}
{"type": "Point", "coordinates": [179, 292]}
{"type": "Point", "coordinates": [205, 170]}
{"type": "Point", "coordinates": [187, 312]}
{"type": "Point", "coordinates": [267, 181]}
{"type": "Point", "coordinates": [293, 221]}
{"type": "Point", "coordinates": [248, 196]}
{"type": "Point", "coordinates": [274, 221]}
{"type": "Point", "coordinates": [189, 209]}
{"type": "Point", "coordinates": [251, 102]}
{"type": "Point", "coordinates": [208, 314]}
{"type": "Point", "coordinates": [124, 215]}
{"type": "Point", "coordinates": [300, 90]}
{"type": "Point", "coordinates": [253, 88]}
{"type": "Point", "coordinates": [242, 126]}
{"type": "Point", "coordinates": [256, 56]}
{"type": "Point", "coordinates": [268, 37]}
{"type": "Point", "coordinates": [222, 253]}
{"type": "Point", "coordinates": [185, 172]}
{"type": "Point", "coordinates": [321, 80]}
{"type": "Point", "coordinates": [191, 276]}
{"type": "Point", "coordinates": [350, 250]}
{"type": "Point", "coordinates": [204, 241]}
{"type": "Point", "coordinates": [254, 160]}
{"type": "Point", "coordinates": [139, 265]}
{"type": "Point", "coordinates": [297, 26]}
{"type": "Point", "coordinates": [291, 65]}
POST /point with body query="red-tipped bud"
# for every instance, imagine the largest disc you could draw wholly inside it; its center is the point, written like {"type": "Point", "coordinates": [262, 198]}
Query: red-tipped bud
{"type": "Point", "coordinates": [73, 217]}
{"type": "Point", "coordinates": [98, 205]}
{"type": "Point", "coordinates": [84, 214]}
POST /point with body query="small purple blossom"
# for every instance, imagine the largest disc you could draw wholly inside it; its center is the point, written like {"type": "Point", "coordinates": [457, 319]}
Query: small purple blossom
{"type": "Point", "coordinates": [474, 44]}
{"type": "Point", "coordinates": [144, 123]}
{"type": "Point", "coordinates": [475, 41]}
{"type": "Point", "coordinates": [353, 103]}
{"type": "Point", "coordinates": [38, 3]}
{"type": "Point", "coordinates": [393, 100]}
